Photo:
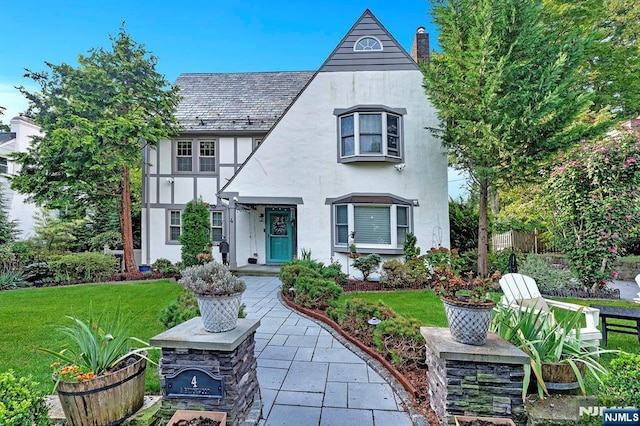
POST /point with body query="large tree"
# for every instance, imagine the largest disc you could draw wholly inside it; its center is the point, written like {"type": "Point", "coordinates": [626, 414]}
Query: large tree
{"type": "Point", "coordinates": [3, 127]}
{"type": "Point", "coordinates": [613, 63]}
{"type": "Point", "coordinates": [96, 119]}
{"type": "Point", "coordinates": [508, 92]}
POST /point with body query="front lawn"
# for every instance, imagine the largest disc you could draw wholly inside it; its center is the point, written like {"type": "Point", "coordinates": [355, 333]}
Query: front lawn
{"type": "Point", "coordinates": [427, 307]}
{"type": "Point", "coordinates": [29, 318]}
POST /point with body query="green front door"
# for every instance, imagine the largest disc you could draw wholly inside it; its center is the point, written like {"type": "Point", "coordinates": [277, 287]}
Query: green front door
{"type": "Point", "coordinates": [278, 235]}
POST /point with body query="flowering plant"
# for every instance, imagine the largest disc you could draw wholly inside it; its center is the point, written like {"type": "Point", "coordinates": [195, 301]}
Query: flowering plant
{"type": "Point", "coordinates": [94, 348]}
{"type": "Point", "coordinates": [211, 278]}
{"type": "Point", "coordinates": [472, 290]}
{"type": "Point", "coordinates": [595, 199]}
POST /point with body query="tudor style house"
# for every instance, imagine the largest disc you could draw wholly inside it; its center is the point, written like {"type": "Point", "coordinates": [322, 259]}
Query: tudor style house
{"type": "Point", "coordinates": [17, 139]}
{"type": "Point", "coordinates": [314, 161]}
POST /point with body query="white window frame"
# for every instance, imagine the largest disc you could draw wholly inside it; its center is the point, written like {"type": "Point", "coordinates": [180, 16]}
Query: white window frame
{"type": "Point", "coordinates": [387, 153]}
{"type": "Point", "coordinates": [195, 156]}
{"type": "Point", "coordinates": [171, 225]}
{"type": "Point", "coordinates": [357, 47]}
{"type": "Point", "coordinates": [369, 247]}
{"type": "Point", "coordinates": [201, 156]}
{"type": "Point", "coordinates": [215, 226]}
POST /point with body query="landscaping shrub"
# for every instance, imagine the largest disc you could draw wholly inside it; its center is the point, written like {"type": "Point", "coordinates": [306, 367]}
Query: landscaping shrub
{"type": "Point", "coordinates": [180, 310]}
{"type": "Point", "coordinates": [334, 272]}
{"type": "Point", "coordinates": [410, 249]}
{"type": "Point", "coordinates": [289, 272]}
{"type": "Point", "coordinates": [164, 266]}
{"type": "Point", "coordinates": [37, 271]}
{"type": "Point", "coordinates": [400, 341]}
{"type": "Point", "coordinates": [11, 280]}
{"type": "Point", "coordinates": [194, 235]}
{"type": "Point", "coordinates": [9, 262]}
{"type": "Point", "coordinates": [621, 387]}
{"type": "Point", "coordinates": [20, 402]}
{"type": "Point", "coordinates": [87, 266]}
{"type": "Point", "coordinates": [367, 264]}
{"type": "Point", "coordinates": [547, 277]}
{"type": "Point", "coordinates": [352, 316]}
{"type": "Point", "coordinates": [312, 292]}
{"type": "Point", "coordinates": [394, 274]}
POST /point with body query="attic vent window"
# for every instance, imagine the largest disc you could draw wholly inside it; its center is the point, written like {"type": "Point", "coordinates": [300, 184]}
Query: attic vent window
{"type": "Point", "coordinates": [367, 43]}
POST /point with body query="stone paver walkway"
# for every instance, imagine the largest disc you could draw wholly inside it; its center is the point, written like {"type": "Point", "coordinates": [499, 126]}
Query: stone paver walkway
{"type": "Point", "coordinates": [306, 376]}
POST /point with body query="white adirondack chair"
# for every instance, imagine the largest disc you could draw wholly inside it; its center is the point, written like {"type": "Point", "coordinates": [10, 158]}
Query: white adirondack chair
{"type": "Point", "coordinates": [637, 299]}
{"type": "Point", "coordinates": [521, 292]}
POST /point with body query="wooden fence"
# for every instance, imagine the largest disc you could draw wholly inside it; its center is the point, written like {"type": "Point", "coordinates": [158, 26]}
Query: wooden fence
{"type": "Point", "coordinates": [522, 241]}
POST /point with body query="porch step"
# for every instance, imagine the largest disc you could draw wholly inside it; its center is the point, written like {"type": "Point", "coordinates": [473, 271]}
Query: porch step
{"type": "Point", "coordinates": [559, 410]}
{"type": "Point", "coordinates": [257, 270]}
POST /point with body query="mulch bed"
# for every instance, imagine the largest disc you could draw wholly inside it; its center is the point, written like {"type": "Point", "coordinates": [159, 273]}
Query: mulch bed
{"type": "Point", "coordinates": [411, 376]}
{"type": "Point", "coordinates": [197, 422]}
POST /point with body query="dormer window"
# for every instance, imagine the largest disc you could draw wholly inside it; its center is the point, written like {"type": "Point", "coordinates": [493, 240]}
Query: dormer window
{"type": "Point", "coordinates": [370, 133]}
{"type": "Point", "coordinates": [367, 43]}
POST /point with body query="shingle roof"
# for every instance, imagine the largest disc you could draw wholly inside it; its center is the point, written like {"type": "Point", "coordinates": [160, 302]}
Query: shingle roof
{"type": "Point", "coordinates": [251, 101]}
{"type": "Point", "coordinates": [7, 136]}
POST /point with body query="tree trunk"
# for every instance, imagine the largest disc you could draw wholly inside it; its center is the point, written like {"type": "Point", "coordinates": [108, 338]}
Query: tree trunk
{"type": "Point", "coordinates": [125, 223]}
{"type": "Point", "coordinates": [483, 232]}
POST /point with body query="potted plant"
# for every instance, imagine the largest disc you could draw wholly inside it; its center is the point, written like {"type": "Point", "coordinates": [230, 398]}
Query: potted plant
{"type": "Point", "coordinates": [218, 292]}
{"type": "Point", "coordinates": [467, 304]}
{"type": "Point", "coordinates": [99, 377]}
{"type": "Point", "coordinates": [558, 360]}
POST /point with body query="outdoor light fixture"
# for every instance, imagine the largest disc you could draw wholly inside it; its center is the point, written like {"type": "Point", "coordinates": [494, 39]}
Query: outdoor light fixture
{"type": "Point", "coordinates": [374, 321]}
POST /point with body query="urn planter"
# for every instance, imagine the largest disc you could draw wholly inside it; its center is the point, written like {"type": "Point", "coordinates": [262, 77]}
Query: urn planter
{"type": "Point", "coordinates": [219, 312]}
{"type": "Point", "coordinates": [468, 323]}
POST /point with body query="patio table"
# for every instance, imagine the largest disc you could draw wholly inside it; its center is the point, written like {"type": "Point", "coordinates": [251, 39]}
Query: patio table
{"type": "Point", "coordinates": [607, 312]}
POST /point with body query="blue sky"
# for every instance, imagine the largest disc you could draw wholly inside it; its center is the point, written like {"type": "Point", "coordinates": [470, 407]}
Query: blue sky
{"type": "Point", "coordinates": [191, 36]}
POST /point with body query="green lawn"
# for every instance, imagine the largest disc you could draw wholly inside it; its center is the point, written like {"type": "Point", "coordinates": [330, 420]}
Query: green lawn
{"type": "Point", "coordinates": [426, 306]}
{"type": "Point", "coordinates": [29, 318]}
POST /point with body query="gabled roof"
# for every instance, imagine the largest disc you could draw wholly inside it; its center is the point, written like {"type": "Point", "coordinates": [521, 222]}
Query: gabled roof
{"type": "Point", "coordinates": [7, 136]}
{"type": "Point", "coordinates": [249, 102]}
{"type": "Point", "coordinates": [391, 57]}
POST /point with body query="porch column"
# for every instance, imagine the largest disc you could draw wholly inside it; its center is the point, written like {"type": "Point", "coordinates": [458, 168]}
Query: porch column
{"type": "Point", "coordinates": [233, 258]}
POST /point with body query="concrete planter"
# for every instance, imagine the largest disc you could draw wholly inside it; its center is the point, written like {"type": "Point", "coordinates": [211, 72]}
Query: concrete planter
{"type": "Point", "coordinates": [482, 421]}
{"type": "Point", "coordinates": [181, 417]}
{"type": "Point", "coordinates": [469, 324]}
{"type": "Point", "coordinates": [220, 312]}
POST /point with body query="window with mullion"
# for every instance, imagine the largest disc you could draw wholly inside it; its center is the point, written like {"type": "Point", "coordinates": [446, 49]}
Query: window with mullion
{"type": "Point", "coordinates": [216, 226]}
{"type": "Point", "coordinates": [342, 224]}
{"type": "Point", "coordinates": [175, 224]}
{"type": "Point", "coordinates": [206, 158]}
{"type": "Point", "coordinates": [393, 135]}
{"type": "Point", "coordinates": [370, 133]}
{"type": "Point", "coordinates": [4, 167]}
{"type": "Point", "coordinates": [347, 136]}
{"type": "Point", "coordinates": [184, 156]}
{"type": "Point", "coordinates": [402, 224]}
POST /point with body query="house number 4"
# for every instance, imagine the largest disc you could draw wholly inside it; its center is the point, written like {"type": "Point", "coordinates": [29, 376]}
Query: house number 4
{"type": "Point", "coordinates": [194, 382]}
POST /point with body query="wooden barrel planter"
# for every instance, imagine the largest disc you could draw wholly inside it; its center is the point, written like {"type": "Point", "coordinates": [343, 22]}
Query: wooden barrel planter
{"type": "Point", "coordinates": [560, 377]}
{"type": "Point", "coordinates": [106, 400]}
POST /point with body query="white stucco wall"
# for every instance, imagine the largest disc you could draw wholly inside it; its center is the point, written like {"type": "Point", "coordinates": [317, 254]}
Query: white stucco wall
{"type": "Point", "coordinates": [20, 209]}
{"type": "Point", "coordinates": [299, 158]}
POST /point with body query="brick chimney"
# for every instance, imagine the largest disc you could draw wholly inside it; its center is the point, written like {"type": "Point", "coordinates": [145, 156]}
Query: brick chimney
{"type": "Point", "coordinates": [420, 47]}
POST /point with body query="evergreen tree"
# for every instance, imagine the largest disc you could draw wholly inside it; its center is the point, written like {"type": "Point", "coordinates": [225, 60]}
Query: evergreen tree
{"type": "Point", "coordinates": [8, 227]}
{"type": "Point", "coordinates": [195, 232]}
{"type": "Point", "coordinates": [508, 92]}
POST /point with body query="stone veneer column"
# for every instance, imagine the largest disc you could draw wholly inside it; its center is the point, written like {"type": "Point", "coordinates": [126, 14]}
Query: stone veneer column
{"type": "Point", "coordinates": [230, 354]}
{"type": "Point", "coordinates": [474, 380]}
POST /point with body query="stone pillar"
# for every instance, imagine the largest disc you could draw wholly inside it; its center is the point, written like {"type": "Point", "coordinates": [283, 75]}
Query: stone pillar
{"type": "Point", "coordinates": [474, 380]}
{"type": "Point", "coordinates": [230, 355]}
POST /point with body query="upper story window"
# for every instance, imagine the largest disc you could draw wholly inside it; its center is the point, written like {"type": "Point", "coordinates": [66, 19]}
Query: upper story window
{"type": "Point", "coordinates": [195, 156]}
{"type": "Point", "coordinates": [370, 133]}
{"type": "Point", "coordinates": [379, 223]}
{"type": "Point", "coordinates": [367, 43]}
{"type": "Point", "coordinates": [4, 167]}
